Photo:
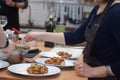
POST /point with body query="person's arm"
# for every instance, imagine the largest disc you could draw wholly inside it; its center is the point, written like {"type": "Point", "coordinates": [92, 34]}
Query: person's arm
{"type": "Point", "coordinates": [45, 36]}
{"type": "Point", "coordinates": [18, 4]}
{"type": "Point", "coordinates": [2, 38]}
{"type": "Point", "coordinates": [22, 4]}
{"type": "Point", "coordinates": [53, 37]}
{"type": "Point", "coordinates": [84, 70]}
{"type": "Point", "coordinates": [78, 36]}
{"type": "Point", "coordinates": [114, 19]}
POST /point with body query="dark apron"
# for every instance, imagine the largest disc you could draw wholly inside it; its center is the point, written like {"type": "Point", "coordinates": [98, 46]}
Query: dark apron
{"type": "Point", "coordinates": [90, 34]}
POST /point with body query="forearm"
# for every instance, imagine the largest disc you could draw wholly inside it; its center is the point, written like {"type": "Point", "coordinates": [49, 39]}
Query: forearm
{"type": "Point", "coordinates": [2, 38]}
{"type": "Point", "coordinates": [101, 71]}
{"type": "Point", "coordinates": [52, 37]}
{"type": "Point", "coordinates": [20, 4]}
{"type": "Point", "coordinates": [84, 70]}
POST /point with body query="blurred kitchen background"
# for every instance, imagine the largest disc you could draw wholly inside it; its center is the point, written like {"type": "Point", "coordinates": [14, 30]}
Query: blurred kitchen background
{"type": "Point", "coordinates": [70, 13]}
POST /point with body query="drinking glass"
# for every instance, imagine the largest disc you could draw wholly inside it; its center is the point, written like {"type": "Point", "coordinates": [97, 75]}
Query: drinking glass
{"type": "Point", "coordinates": [3, 20]}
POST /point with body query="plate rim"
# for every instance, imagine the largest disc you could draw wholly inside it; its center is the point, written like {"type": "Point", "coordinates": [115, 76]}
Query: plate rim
{"type": "Point", "coordinates": [5, 62]}
{"type": "Point", "coordinates": [33, 75]}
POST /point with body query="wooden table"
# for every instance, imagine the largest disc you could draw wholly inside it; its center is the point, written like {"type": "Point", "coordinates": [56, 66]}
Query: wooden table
{"type": "Point", "coordinates": [65, 74]}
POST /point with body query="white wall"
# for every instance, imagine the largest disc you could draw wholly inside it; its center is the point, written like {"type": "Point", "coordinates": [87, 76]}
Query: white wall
{"type": "Point", "coordinates": [38, 14]}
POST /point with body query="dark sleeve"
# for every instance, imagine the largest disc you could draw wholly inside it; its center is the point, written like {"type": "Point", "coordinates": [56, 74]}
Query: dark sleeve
{"type": "Point", "coordinates": [26, 4]}
{"type": "Point", "coordinates": [116, 34]}
{"type": "Point", "coordinates": [25, 1]}
{"type": "Point", "coordinates": [114, 26]}
{"type": "Point", "coordinates": [78, 36]}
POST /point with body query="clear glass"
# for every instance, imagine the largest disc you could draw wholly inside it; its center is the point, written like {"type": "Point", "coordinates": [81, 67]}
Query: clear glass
{"type": "Point", "coordinates": [3, 21]}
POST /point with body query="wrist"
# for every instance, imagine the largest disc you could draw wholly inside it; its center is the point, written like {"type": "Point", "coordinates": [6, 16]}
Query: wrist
{"type": "Point", "coordinates": [108, 71]}
{"type": "Point", "coordinates": [14, 4]}
{"type": "Point", "coordinates": [99, 71]}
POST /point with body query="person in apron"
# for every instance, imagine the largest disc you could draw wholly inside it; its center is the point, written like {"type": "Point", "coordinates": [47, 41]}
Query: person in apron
{"type": "Point", "coordinates": [102, 33]}
{"type": "Point", "coordinates": [10, 8]}
{"type": "Point", "coordinates": [88, 59]}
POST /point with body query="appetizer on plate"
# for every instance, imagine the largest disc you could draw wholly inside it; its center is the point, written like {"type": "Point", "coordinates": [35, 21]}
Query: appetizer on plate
{"type": "Point", "coordinates": [36, 68]}
{"type": "Point", "coordinates": [64, 54]}
{"type": "Point", "coordinates": [55, 61]}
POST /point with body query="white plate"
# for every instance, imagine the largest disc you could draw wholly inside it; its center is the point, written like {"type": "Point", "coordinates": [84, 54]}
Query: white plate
{"type": "Point", "coordinates": [3, 64]}
{"type": "Point", "coordinates": [68, 63]}
{"type": "Point", "coordinates": [22, 70]}
{"type": "Point", "coordinates": [53, 53]}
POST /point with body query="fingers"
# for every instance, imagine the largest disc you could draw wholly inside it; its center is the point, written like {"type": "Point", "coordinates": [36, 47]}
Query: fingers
{"type": "Point", "coordinates": [28, 37]}
{"type": "Point", "coordinates": [78, 66]}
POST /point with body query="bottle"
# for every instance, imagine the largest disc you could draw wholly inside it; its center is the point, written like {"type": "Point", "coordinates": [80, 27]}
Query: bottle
{"type": "Point", "coordinates": [50, 26]}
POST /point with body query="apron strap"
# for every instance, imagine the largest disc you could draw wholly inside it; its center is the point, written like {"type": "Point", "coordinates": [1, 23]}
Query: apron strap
{"type": "Point", "coordinates": [104, 12]}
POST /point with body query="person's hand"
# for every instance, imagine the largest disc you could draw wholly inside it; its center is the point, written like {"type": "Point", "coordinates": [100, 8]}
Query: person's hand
{"type": "Point", "coordinates": [82, 69]}
{"type": "Point", "coordinates": [10, 48]}
{"type": "Point", "coordinates": [31, 36]}
{"type": "Point", "coordinates": [10, 3]}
